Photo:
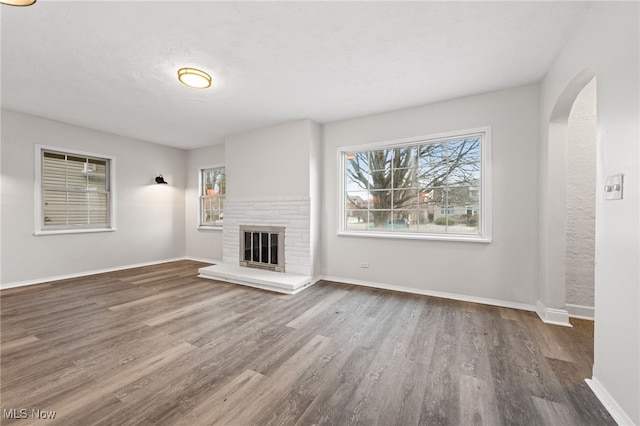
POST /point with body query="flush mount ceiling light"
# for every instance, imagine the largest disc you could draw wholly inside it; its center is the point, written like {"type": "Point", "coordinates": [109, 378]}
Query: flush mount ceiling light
{"type": "Point", "coordinates": [18, 2]}
{"type": "Point", "coordinates": [194, 78]}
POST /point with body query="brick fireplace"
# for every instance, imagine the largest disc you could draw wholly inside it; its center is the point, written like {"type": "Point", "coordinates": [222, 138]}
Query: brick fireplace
{"type": "Point", "coordinates": [292, 214]}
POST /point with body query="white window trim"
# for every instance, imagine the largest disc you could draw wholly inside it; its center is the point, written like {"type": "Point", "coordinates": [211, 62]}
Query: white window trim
{"type": "Point", "coordinates": [485, 185]}
{"type": "Point", "coordinates": [38, 211]}
{"type": "Point", "coordinates": [206, 227]}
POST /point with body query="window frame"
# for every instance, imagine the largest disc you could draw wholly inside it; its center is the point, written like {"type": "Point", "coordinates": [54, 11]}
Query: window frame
{"type": "Point", "coordinates": [39, 227]}
{"type": "Point", "coordinates": [201, 226]}
{"type": "Point", "coordinates": [485, 202]}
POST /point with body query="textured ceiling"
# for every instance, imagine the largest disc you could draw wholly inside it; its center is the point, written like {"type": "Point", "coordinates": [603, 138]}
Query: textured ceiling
{"type": "Point", "coordinates": [112, 66]}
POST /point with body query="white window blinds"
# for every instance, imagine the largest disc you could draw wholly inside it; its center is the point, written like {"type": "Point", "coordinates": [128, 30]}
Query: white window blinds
{"type": "Point", "coordinates": [75, 191]}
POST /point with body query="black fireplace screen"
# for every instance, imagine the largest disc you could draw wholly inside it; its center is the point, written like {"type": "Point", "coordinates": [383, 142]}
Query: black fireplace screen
{"type": "Point", "coordinates": [261, 247]}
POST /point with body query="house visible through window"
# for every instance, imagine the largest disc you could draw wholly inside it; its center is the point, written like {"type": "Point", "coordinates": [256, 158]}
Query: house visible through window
{"type": "Point", "coordinates": [422, 188]}
{"type": "Point", "coordinates": [212, 194]}
{"type": "Point", "coordinates": [75, 192]}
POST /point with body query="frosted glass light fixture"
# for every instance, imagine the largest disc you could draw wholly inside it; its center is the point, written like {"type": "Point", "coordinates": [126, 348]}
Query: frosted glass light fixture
{"type": "Point", "coordinates": [18, 2]}
{"type": "Point", "coordinates": [195, 78]}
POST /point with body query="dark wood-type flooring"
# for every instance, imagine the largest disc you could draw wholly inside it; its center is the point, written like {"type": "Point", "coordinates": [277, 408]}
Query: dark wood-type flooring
{"type": "Point", "coordinates": [157, 345]}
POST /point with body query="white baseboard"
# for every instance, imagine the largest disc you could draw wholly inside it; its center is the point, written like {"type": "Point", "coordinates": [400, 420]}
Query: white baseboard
{"type": "Point", "coordinates": [581, 311]}
{"type": "Point", "coordinates": [440, 294]}
{"type": "Point", "coordinates": [552, 315]}
{"type": "Point", "coordinates": [84, 274]}
{"type": "Point", "coordinates": [201, 259]}
{"type": "Point", "coordinates": [609, 403]}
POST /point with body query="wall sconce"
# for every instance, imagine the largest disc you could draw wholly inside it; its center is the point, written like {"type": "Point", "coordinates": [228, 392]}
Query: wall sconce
{"type": "Point", "coordinates": [160, 179]}
{"type": "Point", "coordinates": [18, 2]}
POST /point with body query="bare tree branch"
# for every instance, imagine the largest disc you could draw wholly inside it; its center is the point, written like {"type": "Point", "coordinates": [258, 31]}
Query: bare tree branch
{"type": "Point", "coordinates": [394, 177]}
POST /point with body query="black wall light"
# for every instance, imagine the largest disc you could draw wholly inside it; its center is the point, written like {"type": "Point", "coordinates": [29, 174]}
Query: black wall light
{"type": "Point", "coordinates": [160, 179]}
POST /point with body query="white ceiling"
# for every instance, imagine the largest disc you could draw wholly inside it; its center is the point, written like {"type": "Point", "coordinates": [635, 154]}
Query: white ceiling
{"type": "Point", "coordinates": [112, 66]}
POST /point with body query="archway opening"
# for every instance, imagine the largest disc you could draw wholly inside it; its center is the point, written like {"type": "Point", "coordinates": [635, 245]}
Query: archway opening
{"type": "Point", "coordinates": [580, 204]}
{"type": "Point", "coordinates": [555, 170]}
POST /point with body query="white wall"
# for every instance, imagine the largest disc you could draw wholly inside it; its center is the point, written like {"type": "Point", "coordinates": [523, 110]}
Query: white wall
{"type": "Point", "coordinates": [149, 217]}
{"type": "Point", "coordinates": [269, 163]}
{"type": "Point", "coordinates": [604, 43]}
{"type": "Point", "coordinates": [201, 244]}
{"type": "Point", "coordinates": [581, 199]}
{"type": "Point", "coordinates": [316, 174]}
{"type": "Point", "coordinates": [277, 167]}
{"type": "Point", "coordinates": [503, 270]}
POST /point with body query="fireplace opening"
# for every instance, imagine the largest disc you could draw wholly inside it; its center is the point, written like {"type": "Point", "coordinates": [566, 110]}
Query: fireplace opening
{"type": "Point", "coordinates": [262, 247]}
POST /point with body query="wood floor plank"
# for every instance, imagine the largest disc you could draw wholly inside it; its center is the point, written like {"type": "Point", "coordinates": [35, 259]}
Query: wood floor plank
{"type": "Point", "coordinates": [441, 402]}
{"type": "Point", "coordinates": [150, 299]}
{"type": "Point", "coordinates": [316, 310]}
{"type": "Point", "coordinates": [195, 307]}
{"type": "Point", "coordinates": [571, 377]}
{"type": "Point", "coordinates": [224, 400]}
{"type": "Point", "coordinates": [261, 411]}
{"type": "Point", "coordinates": [86, 397]}
{"type": "Point", "coordinates": [158, 345]}
{"type": "Point", "coordinates": [346, 354]}
{"type": "Point", "coordinates": [553, 412]}
{"type": "Point", "coordinates": [371, 401]}
{"type": "Point", "coordinates": [11, 345]}
{"type": "Point", "coordinates": [477, 402]}
{"type": "Point", "coordinates": [549, 345]}
{"type": "Point", "coordinates": [355, 342]}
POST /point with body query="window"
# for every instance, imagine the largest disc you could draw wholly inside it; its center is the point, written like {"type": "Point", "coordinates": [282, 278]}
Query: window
{"type": "Point", "coordinates": [434, 187]}
{"type": "Point", "coordinates": [74, 192]}
{"type": "Point", "coordinates": [447, 210]}
{"type": "Point", "coordinates": [212, 194]}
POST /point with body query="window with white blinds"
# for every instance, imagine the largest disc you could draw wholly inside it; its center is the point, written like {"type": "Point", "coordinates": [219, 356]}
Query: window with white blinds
{"type": "Point", "coordinates": [75, 191]}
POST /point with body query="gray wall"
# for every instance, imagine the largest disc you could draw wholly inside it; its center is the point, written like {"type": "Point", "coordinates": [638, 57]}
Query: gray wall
{"type": "Point", "coordinates": [203, 244]}
{"type": "Point", "coordinates": [149, 217]}
{"type": "Point", "coordinates": [502, 270]}
{"type": "Point", "coordinates": [269, 163]}
{"type": "Point", "coordinates": [606, 44]}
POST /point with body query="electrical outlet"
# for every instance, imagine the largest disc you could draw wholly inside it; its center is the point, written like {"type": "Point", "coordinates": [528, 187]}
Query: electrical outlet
{"type": "Point", "coordinates": [364, 264]}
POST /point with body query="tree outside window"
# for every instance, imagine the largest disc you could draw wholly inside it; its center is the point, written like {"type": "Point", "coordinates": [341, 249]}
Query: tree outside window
{"type": "Point", "coordinates": [425, 187]}
{"type": "Point", "coordinates": [212, 196]}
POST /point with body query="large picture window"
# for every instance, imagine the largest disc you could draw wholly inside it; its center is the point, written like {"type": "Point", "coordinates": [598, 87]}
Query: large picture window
{"type": "Point", "coordinates": [212, 195]}
{"type": "Point", "coordinates": [428, 187]}
{"type": "Point", "coordinates": [74, 192]}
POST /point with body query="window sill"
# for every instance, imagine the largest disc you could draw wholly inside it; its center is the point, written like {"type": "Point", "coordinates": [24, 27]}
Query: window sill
{"type": "Point", "coordinates": [413, 236]}
{"type": "Point", "coordinates": [210, 228]}
{"type": "Point", "coordinates": [72, 231]}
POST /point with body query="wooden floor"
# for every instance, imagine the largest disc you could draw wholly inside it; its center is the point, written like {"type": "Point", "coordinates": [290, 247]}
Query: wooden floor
{"type": "Point", "coordinates": [157, 345]}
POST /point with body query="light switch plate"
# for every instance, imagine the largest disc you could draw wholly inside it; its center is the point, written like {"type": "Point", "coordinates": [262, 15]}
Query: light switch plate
{"type": "Point", "coordinates": [613, 187]}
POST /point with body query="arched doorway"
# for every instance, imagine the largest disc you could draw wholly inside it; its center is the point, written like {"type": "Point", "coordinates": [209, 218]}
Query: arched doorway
{"type": "Point", "coordinates": [581, 204]}
{"type": "Point", "coordinates": [552, 295]}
